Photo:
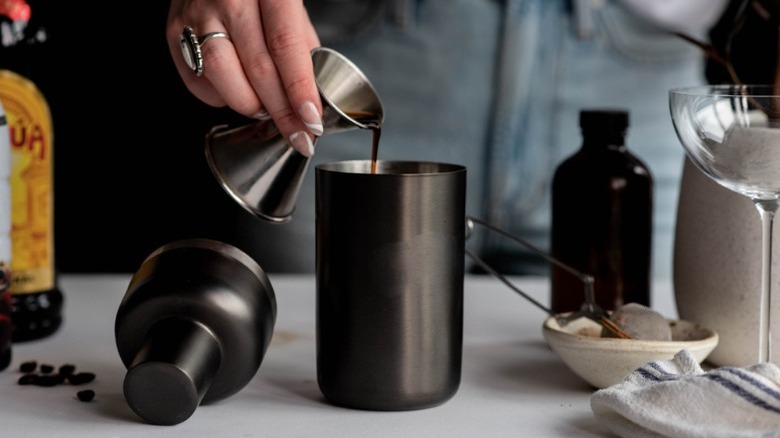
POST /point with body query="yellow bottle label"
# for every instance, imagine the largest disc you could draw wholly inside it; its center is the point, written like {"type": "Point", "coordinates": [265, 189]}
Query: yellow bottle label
{"type": "Point", "coordinates": [32, 225]}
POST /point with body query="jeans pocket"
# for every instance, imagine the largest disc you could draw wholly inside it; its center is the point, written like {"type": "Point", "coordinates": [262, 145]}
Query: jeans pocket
{"type": "Point", "coordinates": [638, 40]}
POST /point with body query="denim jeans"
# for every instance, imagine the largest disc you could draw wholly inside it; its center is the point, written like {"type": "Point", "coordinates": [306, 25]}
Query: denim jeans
{"type": "Point", "coordinates": [497, 86]}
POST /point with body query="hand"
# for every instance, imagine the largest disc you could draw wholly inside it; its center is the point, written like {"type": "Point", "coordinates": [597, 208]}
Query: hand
{"type": "Point", "coordinates": [263, 71]}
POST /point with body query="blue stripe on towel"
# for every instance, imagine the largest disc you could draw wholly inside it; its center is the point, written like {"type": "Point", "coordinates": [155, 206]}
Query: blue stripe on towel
{"type": "Point", "coordinates": [746, 377]}
{"type": "Point", "coordinates": [653, 371]}
{"type": "Point", "coordinates": [656, 366]}
{"type": "Point", "coordinates": [647, 372]}
{"type": "Point", "coordinates": [648, 375]}
{"type": "Point", "coordinates": [742, 392]}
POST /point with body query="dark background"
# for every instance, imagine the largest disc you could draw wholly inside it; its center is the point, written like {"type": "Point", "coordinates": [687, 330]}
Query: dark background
{"type": "Point", "coordinates": [130, 171]}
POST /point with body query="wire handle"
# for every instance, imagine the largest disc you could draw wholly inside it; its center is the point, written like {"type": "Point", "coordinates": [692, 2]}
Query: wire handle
{"type": "Point", "coordinates": [589, 308]}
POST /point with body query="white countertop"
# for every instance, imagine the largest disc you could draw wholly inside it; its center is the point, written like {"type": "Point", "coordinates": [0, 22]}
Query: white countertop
{"type": "Point", "coordinates": [512, 384]}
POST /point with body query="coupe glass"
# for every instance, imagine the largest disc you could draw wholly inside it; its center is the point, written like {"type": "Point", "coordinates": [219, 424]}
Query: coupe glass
{"type": "Point", "coordinates": [732, 134]}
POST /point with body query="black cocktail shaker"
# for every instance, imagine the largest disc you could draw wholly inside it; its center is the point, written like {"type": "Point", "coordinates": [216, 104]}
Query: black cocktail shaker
{"type": "Point", "coordinates": [192, 327]}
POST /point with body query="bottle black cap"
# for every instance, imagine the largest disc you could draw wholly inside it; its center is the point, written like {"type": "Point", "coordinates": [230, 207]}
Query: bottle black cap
{"type": "Point", "coordinates": [604, 120]}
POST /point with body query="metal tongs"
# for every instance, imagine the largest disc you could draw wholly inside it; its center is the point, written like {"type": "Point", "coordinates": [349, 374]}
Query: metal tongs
{"type": "Point", "coordinates": [589, 308]}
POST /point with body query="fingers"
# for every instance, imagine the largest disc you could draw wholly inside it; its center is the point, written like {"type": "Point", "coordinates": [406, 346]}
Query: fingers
{"type": "Point", "coordinates": [202, 89]}
{"type": "Point", "coordinates": [277, 61]}
{"type": "Point", "coordinates": [290, 43]}
{"type": "Point", "coordinates": [223, 70]}
{"type": "Point", "coordinates": [264, 70]}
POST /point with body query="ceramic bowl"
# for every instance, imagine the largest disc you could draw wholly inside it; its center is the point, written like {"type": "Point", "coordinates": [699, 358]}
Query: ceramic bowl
{"type": "Point", "coordinates": [603, 362]}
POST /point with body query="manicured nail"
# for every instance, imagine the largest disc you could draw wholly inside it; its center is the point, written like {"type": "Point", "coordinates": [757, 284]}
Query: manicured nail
{"type": "Point", "coordinates": [262, 115]}
{"type": "Point", "coordinates": [302, 143]}
{"type": "Point", "coordinates": [310, 116]}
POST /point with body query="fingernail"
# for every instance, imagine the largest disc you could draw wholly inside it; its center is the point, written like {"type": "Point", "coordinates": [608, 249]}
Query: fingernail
{"type": "Point", "coordinates": [310, 116]}
{"type": "Point", "coordinates": [302, 143]}
{"type": "Point", "coordinates": [262, 115]}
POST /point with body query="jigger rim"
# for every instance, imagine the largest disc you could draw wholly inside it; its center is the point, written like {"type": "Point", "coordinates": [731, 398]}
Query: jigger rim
{"type": "Point", "coordinates": [362, 76]}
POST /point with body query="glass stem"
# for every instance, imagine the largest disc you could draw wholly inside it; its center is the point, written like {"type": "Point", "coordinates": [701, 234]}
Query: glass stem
{"type": "Point", "coordinates": [767, 209]}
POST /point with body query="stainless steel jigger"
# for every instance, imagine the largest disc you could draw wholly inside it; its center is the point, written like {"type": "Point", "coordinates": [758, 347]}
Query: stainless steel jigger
{"type": "Point", "coordinates": [256, 165]}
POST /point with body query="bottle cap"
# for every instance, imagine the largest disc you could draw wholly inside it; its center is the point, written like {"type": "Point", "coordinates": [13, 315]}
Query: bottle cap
{"type": "Point", "coordinates": [605, 120]}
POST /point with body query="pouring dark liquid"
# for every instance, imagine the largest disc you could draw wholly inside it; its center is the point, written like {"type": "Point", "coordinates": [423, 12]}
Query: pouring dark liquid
{"type": "Point", "coordinates": [376, 129]}
{"type": "Point", "coordinates": [370, 121]}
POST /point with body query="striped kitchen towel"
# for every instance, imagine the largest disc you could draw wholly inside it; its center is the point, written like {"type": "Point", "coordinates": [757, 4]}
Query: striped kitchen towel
{"type": "Point", "coordinates": [677, 398]}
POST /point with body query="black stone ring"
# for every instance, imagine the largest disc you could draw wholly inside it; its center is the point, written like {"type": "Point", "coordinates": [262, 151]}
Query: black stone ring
{"type": "Point", "coordinates": [191, 47]}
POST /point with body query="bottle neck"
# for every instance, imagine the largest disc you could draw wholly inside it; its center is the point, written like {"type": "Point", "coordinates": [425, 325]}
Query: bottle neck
{"type": "Point", "coordinates": [599, 141]}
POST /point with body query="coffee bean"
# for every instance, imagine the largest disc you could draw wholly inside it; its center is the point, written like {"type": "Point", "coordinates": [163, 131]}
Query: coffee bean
{"type": "Point", "coordinates": [28, 367]}
{"type": "Point", "coordinates": [86, 395]}
{"type": "Point", "coordinates": [67, 369]}
{"type": "Point", "coordinates": [48, 380]}
{"type": "Point", "coordinates": [27, 379]}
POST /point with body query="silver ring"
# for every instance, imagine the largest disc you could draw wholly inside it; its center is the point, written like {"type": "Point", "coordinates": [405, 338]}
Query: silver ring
{"type": "Point", "coordinates": [191, 47]}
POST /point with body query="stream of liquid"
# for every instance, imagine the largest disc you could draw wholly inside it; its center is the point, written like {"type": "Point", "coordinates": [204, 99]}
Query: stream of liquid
{"type": "Point", "coordinates": [372, 122]}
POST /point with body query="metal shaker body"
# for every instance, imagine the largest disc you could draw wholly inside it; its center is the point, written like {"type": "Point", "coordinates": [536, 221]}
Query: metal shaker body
{"type": "Point", "coordinates": [390, 265]}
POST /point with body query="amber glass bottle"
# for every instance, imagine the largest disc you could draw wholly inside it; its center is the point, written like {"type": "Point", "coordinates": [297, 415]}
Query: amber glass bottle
{"type": "Point", "coordinates": [26, 60]}
{"type": "Point", "coordinates": [602, 200]}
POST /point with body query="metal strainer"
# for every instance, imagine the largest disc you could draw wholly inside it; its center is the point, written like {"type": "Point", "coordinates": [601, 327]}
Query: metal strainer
{"type": "Point", "coordinates": [635, 322]}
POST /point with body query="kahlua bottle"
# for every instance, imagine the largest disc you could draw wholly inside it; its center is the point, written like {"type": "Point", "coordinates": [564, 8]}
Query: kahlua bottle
{"type": "Point", "coordinates": [25, 57]}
